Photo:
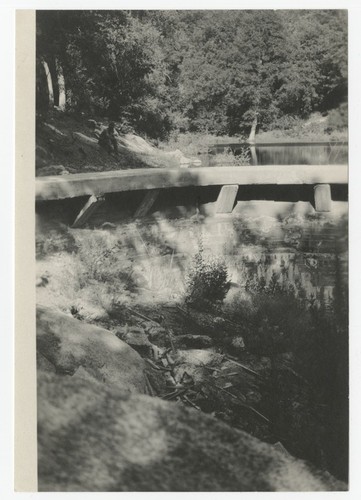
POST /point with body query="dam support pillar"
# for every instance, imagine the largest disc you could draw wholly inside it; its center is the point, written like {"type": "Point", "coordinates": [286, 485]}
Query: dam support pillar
{"type": "Point", "coordinates": [226, 199]}
{"type": "Point", "coordinates": [147, 203]}
{"type": "Point", "coordinates": [87, 210]}
{"type": "Point", "coordinates": [322, 194]}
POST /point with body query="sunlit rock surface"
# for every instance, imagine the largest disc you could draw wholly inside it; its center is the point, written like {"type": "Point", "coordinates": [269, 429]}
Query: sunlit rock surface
{"type": "Point", "coordinates": [91, 439]}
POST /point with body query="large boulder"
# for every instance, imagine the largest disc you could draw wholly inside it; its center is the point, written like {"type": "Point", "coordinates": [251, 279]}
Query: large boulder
{"type": "Point", "coordinates": [91, 438]}
{"type": "Point", "coordinates": [67, 345]}
{"type": "Point", "coordinates": [136, 144]}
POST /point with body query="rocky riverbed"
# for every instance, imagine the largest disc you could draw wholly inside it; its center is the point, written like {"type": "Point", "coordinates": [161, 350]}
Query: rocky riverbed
{"type": "Point", "coordinates": [261, 361]}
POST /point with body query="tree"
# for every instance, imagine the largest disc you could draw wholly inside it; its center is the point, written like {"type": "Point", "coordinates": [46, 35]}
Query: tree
{"type": "Point", "coordinates": [222, 72]}
{"type": "Point", "coordinates": [316, 74]}
{"type": "Point", "coordinates": [112, 64]}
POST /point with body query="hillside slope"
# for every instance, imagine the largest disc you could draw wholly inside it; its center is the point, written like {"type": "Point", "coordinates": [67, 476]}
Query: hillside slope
{"type": "Point", "coordinates": [67, 144]}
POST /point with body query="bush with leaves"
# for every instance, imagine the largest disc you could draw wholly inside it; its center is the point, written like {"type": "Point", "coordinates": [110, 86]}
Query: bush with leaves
{"type": "Point", "coordinates": [207, 280]}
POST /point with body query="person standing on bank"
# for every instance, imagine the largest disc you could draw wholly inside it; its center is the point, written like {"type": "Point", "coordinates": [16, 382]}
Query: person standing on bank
{"type": "Point", "coordinates": [108, 140]}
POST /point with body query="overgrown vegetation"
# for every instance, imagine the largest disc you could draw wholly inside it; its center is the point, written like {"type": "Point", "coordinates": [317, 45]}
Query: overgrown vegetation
{"type": "Point", "coordinates": [294, 345]}
{"type": "Point", "coordinates": [207, 280]}
{"type": "Point", "coordinates": [306, 341]}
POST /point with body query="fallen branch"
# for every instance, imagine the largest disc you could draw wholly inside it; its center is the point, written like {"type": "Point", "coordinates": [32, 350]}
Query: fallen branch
{"type": "Point", "coordinates": [229, 393]}
{"type": "Point", "coordinates": [256, 412]}
{"type": "Point", "coordinates": [170, 340]}
{"type": "Point", "coordinates": [191, 402]}
{"type": "Point", "coordinates": [140, 315]}
{"type": "Point", "coordinates": [210, 368]}
{"type": "Point", "coordinates": [244, 405]}
{"type": "Point", "coordinates": [153, 365]}
{"type": "Point", "coordinates": [169, 359]}
{"type": "Point", "coordinates": [149, 386]}
{"type": "Point", "coordinates": [174, 394]}
{"type": "Point", "coordinates": [224, 374]}
{"type": "Point", "coordinates": [243, 366]}
{"type": "Point", "coordinates": [182, 310]}
{"type": "Point", "coordinates": [193, 320]}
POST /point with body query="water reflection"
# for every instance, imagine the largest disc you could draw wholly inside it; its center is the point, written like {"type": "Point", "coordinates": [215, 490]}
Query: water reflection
{"type": "Point", "coordinates": [307, 153]}
{"type": "Point", "coordinates": [305, 250]}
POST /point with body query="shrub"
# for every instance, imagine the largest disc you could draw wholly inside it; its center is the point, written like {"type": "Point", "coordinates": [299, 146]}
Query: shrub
{"type": "Point", "coordinates": [337, 119]}
{"type": "Point", "coordinates": [207, 280]}
{"type": "Point", "coordinates": [242, 157]}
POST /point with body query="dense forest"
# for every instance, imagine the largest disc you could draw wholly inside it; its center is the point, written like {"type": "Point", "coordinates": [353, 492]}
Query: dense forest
{"type": "Point", "coordinates": [217, 72]}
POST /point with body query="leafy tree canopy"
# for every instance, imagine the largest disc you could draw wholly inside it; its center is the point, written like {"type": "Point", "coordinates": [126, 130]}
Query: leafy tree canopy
{"type": "Point", "coordinates": [208, 71]}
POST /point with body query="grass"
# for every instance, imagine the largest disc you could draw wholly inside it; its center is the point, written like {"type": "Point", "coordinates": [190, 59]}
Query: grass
{"type": "Point", "coordinates": [92, 271]}
{"type": "Point", "coordinates": [56, 146]}
{"type": "Point", "coordinates": [194, 143]}
{"type": "Point", "coordinates": [316, 128]}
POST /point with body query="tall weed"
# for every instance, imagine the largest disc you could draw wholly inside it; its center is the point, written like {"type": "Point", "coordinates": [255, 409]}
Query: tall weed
{"type": "Point", "coordinates": [207, 280]}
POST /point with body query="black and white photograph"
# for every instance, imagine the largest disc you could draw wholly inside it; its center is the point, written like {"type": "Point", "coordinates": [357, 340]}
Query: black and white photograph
{"type": "Point", "coordinates": [191, 250]}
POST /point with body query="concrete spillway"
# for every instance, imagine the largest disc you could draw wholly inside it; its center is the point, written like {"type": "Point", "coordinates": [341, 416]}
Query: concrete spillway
{"type": "Point", "coordinates": [70, 186]}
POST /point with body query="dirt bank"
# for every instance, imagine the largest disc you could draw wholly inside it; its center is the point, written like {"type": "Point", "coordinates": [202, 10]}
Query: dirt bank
{"type": "Point", "coordinates": [68, 143]}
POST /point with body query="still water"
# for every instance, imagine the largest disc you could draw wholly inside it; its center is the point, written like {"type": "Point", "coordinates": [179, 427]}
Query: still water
{"type": "Point", "coordinates": [300, 153]}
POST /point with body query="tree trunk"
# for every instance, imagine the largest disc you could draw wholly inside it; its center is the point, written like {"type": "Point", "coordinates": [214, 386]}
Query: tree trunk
{"type": "Point", "coordinates": [61, 85]}
{"type": "Point", "coordinates": [49, 81]}
{"type": "Point", "coordinates": [253, 155]}
{"type": "Point", "coordinates": [252, 134]}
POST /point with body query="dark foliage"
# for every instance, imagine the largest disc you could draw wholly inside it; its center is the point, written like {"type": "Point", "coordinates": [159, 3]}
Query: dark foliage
{"type": "Point", "coordinates": [307, 342]}
{"type": "Point", "coordinates": [207, 71]}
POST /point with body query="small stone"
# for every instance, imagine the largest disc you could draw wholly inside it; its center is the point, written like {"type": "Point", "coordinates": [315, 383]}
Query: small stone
{"type": "Point", "coordinates": [199, 357]}
{"type": "Point", "coordinates": [158, 335]}
{"type": "Point", "coordinates": [238, 343]}
{"type": "Point", "coordinates": [136, 338]}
